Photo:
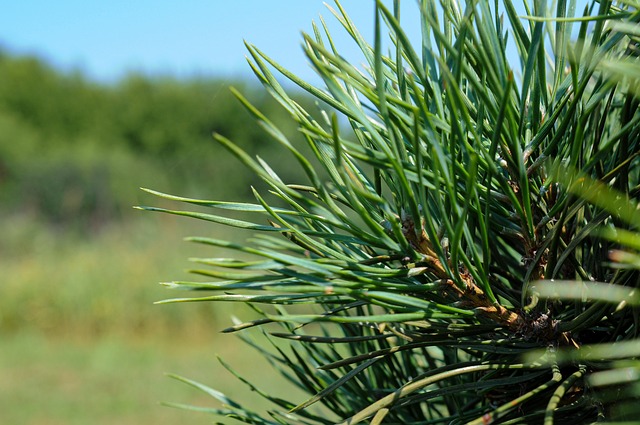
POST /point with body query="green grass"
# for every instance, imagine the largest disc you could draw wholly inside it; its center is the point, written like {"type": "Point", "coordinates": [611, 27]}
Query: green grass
{"type": "Point", "coordinates": [82, 341]}
{"type": "Point", "coordinates": [107, 380]}
{"type": "Point", "coordinates": [115, 380]}
{"type": "Point", "coordinates": [106, 282]}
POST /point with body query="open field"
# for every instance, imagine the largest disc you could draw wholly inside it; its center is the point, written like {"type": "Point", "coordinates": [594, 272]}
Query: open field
{"type": "Point", "coordinates": [116, 380]}
{"type": "Point", "coordinates": [48, 381]}
{"type": "Point", "coordinates": [82, 341]}
{"type": "Point", "coordinates": [88, 284]}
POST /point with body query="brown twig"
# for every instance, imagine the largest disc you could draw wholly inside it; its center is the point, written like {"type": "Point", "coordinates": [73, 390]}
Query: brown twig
{"type": "Point", "coordinates": [539, 327]}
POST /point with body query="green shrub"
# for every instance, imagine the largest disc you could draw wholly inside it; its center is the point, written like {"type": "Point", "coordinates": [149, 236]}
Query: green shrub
{"type": "Point", "coordinates": [408, 270]}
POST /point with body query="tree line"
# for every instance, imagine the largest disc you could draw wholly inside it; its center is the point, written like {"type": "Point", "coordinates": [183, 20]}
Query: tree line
{"type": "Point", "coordinates": [74, 151]}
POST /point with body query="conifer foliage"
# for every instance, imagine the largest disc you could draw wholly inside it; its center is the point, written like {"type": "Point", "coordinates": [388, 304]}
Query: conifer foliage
{"type": "Point", "coordinates": [466, 251]}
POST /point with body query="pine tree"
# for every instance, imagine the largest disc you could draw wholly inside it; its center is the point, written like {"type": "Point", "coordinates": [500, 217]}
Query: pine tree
{"type": "Point", "coordinates": [466, 251]}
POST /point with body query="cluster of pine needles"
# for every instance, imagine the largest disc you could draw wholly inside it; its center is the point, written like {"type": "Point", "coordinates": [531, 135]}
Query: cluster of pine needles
{"type": "Point", "coordinates": [464, 245]}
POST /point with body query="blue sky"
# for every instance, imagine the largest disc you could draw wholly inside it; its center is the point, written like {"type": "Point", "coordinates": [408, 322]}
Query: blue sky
{"type": "Point", "coordinates": [106, 40]}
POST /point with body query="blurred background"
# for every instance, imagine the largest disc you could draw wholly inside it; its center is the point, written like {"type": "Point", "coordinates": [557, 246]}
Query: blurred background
{"type": "Point", "coordinates": [98, 99]}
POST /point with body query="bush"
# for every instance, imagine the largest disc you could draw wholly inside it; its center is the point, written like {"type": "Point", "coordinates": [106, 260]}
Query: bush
{"type": "Point", "coordinates": [411, 280]}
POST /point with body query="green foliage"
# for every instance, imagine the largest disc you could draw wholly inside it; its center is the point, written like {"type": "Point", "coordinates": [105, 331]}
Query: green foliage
{"type": "Point", "coordinates": [70, 149]}
{"type": "Point", "coordinates": [404, 269]}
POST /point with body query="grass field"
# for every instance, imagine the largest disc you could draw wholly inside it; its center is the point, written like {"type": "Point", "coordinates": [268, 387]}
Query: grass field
{"type": "Point", "coordinates": [82, 341]}
{"type": "Point", "coordinates": [112, 380]}
{"type": "Point", "coordinates": [102, 381]}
